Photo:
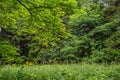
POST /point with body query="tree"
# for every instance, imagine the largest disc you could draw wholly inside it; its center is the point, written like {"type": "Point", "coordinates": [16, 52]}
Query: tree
{"type": "Point", "coordinates": [33, 25]}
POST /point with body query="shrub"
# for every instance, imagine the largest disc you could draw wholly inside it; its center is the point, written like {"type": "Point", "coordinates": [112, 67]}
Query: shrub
{"type": "Point", "coordinates": [8, 52]}
{"type": "Point", "coordinates": [106, 55]}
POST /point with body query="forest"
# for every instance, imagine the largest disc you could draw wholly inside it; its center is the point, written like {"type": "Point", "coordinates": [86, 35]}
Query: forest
{"type": "Point", "coordinates": [59, 32]}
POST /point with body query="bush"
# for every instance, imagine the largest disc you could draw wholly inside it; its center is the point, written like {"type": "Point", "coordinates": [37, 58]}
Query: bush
{"type": "Point", "coordinates": [114, 40]}
{"type": "Point", "coordinates": [106, 55]}
{"type": "Point", "coordinates": [8, 52]}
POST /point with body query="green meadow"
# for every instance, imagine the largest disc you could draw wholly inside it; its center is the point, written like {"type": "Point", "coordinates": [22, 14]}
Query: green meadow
{"type": "Point", "coordinates": [61, 72]}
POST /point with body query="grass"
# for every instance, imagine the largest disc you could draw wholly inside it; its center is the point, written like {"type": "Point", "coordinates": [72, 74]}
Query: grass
{"type": "Point", "coordinates": [61, 72]}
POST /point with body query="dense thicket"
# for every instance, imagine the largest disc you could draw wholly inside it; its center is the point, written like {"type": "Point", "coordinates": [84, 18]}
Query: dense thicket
{"type": "Point", "coordinates": [64, 31]}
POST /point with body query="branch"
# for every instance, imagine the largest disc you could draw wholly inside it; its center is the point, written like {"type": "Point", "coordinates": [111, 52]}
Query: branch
{"type": "Point", "coordinates": [25, 7]}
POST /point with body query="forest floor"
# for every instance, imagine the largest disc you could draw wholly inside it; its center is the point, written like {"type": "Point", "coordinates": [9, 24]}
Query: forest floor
{"type": "Point", "coordinates": [80, 71]}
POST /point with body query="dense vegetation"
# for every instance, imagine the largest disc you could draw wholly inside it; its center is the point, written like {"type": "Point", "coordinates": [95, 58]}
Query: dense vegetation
{"type": "Point", "coordinates": [59, 31]}
{"type": "Point", "coordinates": [61, 72]}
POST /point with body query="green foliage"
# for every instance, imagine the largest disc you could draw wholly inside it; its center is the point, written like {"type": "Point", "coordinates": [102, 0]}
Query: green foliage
{"type": "Point", "coordinates": [106, 42]}
{"type": "Point", "coordinates": [106, 55]}
{"type": "Point", "coordinates": [106, 30]}
{"type": "Point", "coordinates": [99, 39]}
{"type": "Point", "coordinates": [111, 11]}
{"type": "Point", "coordinates": [84, 20]}
{"type": "Point", "coordinates": [36, 24]}
{"type": "Point", "coordinates": [59, 72]}
{"type": "Point", "coordinates": [114, 40]}
{"type": "Point", "coordinates": [8, 53]}
{"type": "Point", "coordinates": [59, 31]}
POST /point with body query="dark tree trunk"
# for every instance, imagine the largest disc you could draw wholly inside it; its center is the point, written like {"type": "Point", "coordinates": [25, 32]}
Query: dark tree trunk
{"type": "Point", "coordinates": [24, 48]}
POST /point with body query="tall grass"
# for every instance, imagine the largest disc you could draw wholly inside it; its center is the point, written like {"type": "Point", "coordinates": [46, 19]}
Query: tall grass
{"type": "Point", "coordinates": [61, 72]}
